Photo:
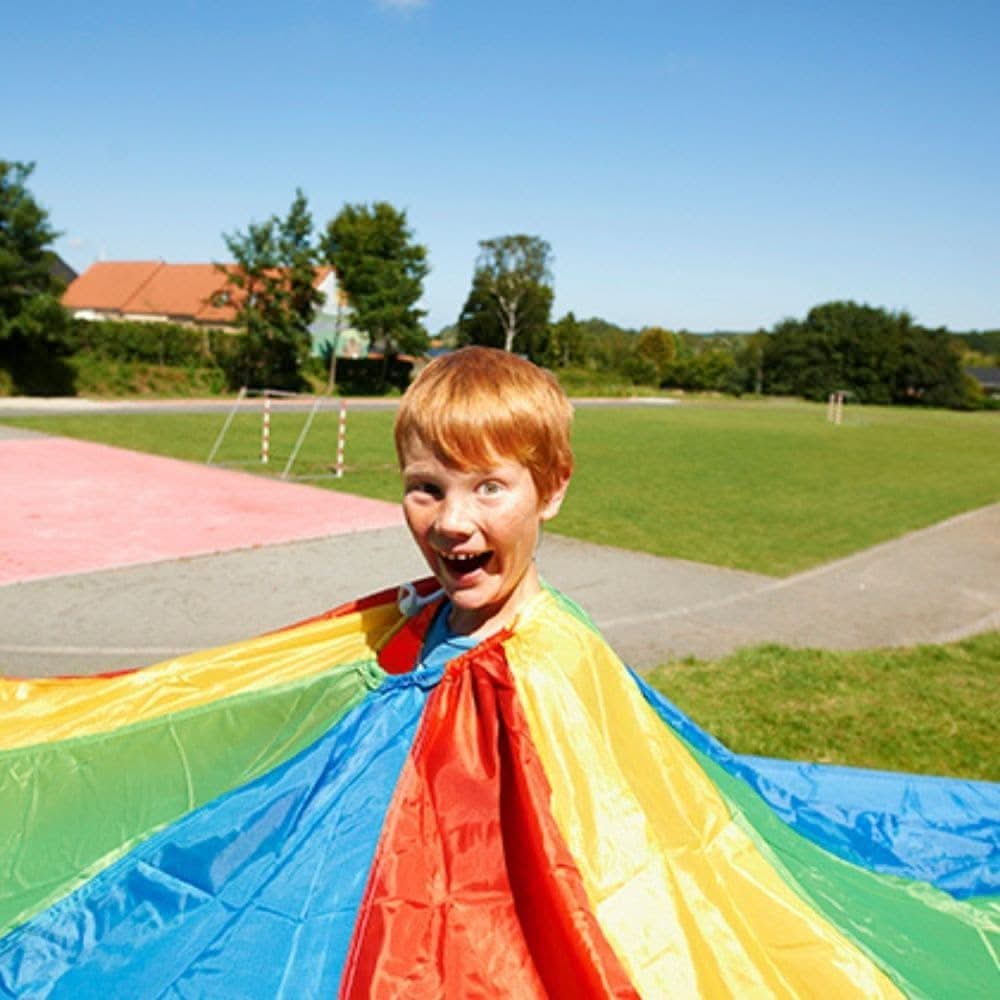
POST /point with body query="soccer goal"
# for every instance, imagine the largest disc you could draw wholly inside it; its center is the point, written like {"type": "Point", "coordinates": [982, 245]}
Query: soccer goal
{"type": "Point", "coordinates": [835, 408]}
{"type": "Point", "coordinates": [253, 415]}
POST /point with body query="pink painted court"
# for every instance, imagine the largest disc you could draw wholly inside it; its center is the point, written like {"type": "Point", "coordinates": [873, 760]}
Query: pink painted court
{"type": "Point", "coordinates": [77, 507]}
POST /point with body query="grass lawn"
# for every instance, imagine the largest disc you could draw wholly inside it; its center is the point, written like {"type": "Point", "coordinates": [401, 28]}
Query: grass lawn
{"type": "Point", "coordinates": [929, 709]}
{"type": "Point", "coordinates": [762, 486]}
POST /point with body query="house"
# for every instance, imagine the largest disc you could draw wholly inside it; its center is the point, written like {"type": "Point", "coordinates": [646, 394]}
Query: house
{"type": "Point", "coordinates": [197, 295]}
{"type": "Point", "coordinates": [988, 379]}
{"type": "Point", "coordinates": [59, 269]}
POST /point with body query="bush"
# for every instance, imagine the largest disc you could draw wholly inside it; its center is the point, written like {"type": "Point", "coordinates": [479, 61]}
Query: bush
{"type": "Point", "coordinates": [108, 377]}
{"type": "Point", "coordinates": [153, 343]}
{"type": "Point", "coordinates": [713, 370]}
{"type": "Point", "coordinates": [640, 370]}
{"type": "Point", "coordinates": [587, 382]}
{"type": "Point", "coordinates": [35, 366]}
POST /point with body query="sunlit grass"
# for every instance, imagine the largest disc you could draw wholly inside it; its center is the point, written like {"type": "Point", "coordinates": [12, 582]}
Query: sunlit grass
{"type": "Point", "coordinates": [773, 489]}
{"type": "Point", "coordinates": [928, 709]}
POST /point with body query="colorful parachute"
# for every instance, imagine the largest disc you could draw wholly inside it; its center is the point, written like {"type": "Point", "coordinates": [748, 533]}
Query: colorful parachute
{"type": "Point", "coordinates": [308, 813]}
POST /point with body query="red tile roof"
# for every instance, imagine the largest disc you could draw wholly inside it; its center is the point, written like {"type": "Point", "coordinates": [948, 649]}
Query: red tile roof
{"type": "Point", "coordinates": [108, 285]}
{"type": "Point", "coordinates": [155, 288]}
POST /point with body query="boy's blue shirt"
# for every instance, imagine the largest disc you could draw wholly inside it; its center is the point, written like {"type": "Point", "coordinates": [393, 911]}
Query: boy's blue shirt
{"type": "Point", "coordinates": [441, 644]}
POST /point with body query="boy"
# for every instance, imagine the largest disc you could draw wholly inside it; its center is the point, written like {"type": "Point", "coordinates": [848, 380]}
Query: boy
{"type": "Point", "coordinates": [482, 438]}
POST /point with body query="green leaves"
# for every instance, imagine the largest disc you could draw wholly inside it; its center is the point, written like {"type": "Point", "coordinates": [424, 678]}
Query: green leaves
{"type": "Point", "coordinates": [33, 323]}
{"type": "Point", "coordinates": [25, 235]}
{"type": "Point", "coordinates": [275, 273]}
{"type": "Point", "coordinates": [877, 355]}
{"type": "Point", "coordinates": [511, 296]}
{"type": "Point", "coordinates": [382, 269]}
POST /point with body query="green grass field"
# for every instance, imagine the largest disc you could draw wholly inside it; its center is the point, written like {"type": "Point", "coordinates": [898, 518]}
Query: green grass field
{"type": "Point", "coordinates": [926, 709]}
{"type": "Point", "coordinates": [766, 487]}
{"type": "Point", "coordinates": [763, 486]}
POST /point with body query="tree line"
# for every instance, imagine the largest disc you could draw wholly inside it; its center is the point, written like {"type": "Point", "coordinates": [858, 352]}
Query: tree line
{"type": "Point", "coordinates": [876, 355]}
{"type": "Point", "coordinates": [872, 354]}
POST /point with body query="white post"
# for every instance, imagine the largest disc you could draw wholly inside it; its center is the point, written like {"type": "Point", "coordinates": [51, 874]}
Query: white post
{"type": "Point", "coordinates": [341, 436]}
{"type": "Point", "coordinates": [300, 439]}
{"type": "Point", "coordinates": [265, 432]}
{"type": "Point", "coordinates": [829, 407]}
{"type": "Point", "coordinates": [225, 426]}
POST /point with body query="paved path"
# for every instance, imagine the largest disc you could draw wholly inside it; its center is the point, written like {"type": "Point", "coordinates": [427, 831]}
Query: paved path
{"type": "Point", "coordinates": [33, 406]}
{"type": "Point", "coordinates": [933, 585]}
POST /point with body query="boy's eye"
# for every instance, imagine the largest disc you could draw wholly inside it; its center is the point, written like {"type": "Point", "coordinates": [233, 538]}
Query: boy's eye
{"type": "Point", "coordinates": [490, 488]}
{"type": "Point", "coordinates": [422, 486]}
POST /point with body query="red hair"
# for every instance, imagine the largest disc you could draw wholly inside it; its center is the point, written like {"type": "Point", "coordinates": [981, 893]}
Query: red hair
{"type": "Point", "coordinates": [479, 406]}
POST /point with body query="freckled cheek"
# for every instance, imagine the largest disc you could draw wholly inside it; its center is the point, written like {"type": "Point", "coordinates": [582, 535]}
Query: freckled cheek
{"type": "Point", "coordinates": [417, 521]}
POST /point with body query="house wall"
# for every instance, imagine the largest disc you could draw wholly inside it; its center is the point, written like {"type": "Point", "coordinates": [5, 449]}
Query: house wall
{"type": "Point", "coordinates": [194, 324]}
{"type": "Point", "coordinates": [333, 316]}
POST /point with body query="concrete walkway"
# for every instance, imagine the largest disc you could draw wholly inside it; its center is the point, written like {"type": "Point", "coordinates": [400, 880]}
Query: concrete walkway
{"type": "Point", "coordinates": [931, 586]}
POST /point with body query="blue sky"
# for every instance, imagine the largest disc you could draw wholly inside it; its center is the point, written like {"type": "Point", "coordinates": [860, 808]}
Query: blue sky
{"type": "Point", "coordinates": [693, 165]}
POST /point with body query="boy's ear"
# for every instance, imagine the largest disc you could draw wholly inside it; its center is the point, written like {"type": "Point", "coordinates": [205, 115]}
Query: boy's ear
{"type": "Point", "coordinates": [551, 506]}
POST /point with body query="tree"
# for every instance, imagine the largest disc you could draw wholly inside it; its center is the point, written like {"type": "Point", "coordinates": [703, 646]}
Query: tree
{"type": "Point", "coordinates": [607, 347]}
{"type": "Point", "coordinates": [567, 342]}
{"type": "Point", "coordinates": [929, 370]}
{"type": "Point", "coordinates": [382, 270]}
{"type": "Point", "coordinates": [880, 356]}
{"type": "Point", "coordinates": [480, 321]}
{"type": "Point", "coordinates": [33, 323]}
{"type": "Point", "coordinates": [513, 279]}
{"type": "Point", "coordinates": [658, 347]}
{"type": "Point", "coordinates": [275, 273]}
{"type": "Point", "coordinates": [752, 361]}
{"type": "Point", "coordinates": [298, 256]}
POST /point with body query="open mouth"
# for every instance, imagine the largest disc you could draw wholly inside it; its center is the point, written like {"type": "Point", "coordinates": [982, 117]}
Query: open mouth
{"type": "Point", "coordinates": [463, 563]}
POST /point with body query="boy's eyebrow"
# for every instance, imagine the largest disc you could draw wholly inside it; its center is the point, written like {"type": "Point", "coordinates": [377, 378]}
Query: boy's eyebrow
{"type": "Point", "coordinates": [418, 472]}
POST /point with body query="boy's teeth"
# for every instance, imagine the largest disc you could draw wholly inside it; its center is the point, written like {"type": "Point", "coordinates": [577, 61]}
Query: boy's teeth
{"type": "Point", "coordinates": [464, 562]}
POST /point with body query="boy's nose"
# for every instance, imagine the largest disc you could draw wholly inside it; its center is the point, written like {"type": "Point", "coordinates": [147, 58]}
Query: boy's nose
{"type": "Point", "coordinates": [454, 516]}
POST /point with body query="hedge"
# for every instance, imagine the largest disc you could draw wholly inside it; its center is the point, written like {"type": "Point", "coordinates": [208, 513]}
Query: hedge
{"type": "Point", "coordinates": [153, 343]}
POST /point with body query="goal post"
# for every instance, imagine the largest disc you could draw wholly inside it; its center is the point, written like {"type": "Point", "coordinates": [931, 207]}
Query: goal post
{"type": "Point", "coordinates": [251, 400]}
{"type": "Point", "coordinates": [835, 408]}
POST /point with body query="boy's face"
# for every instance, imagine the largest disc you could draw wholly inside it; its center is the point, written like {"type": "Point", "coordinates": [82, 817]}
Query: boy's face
{"type": "Point", "coordinates": [478, 530]}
